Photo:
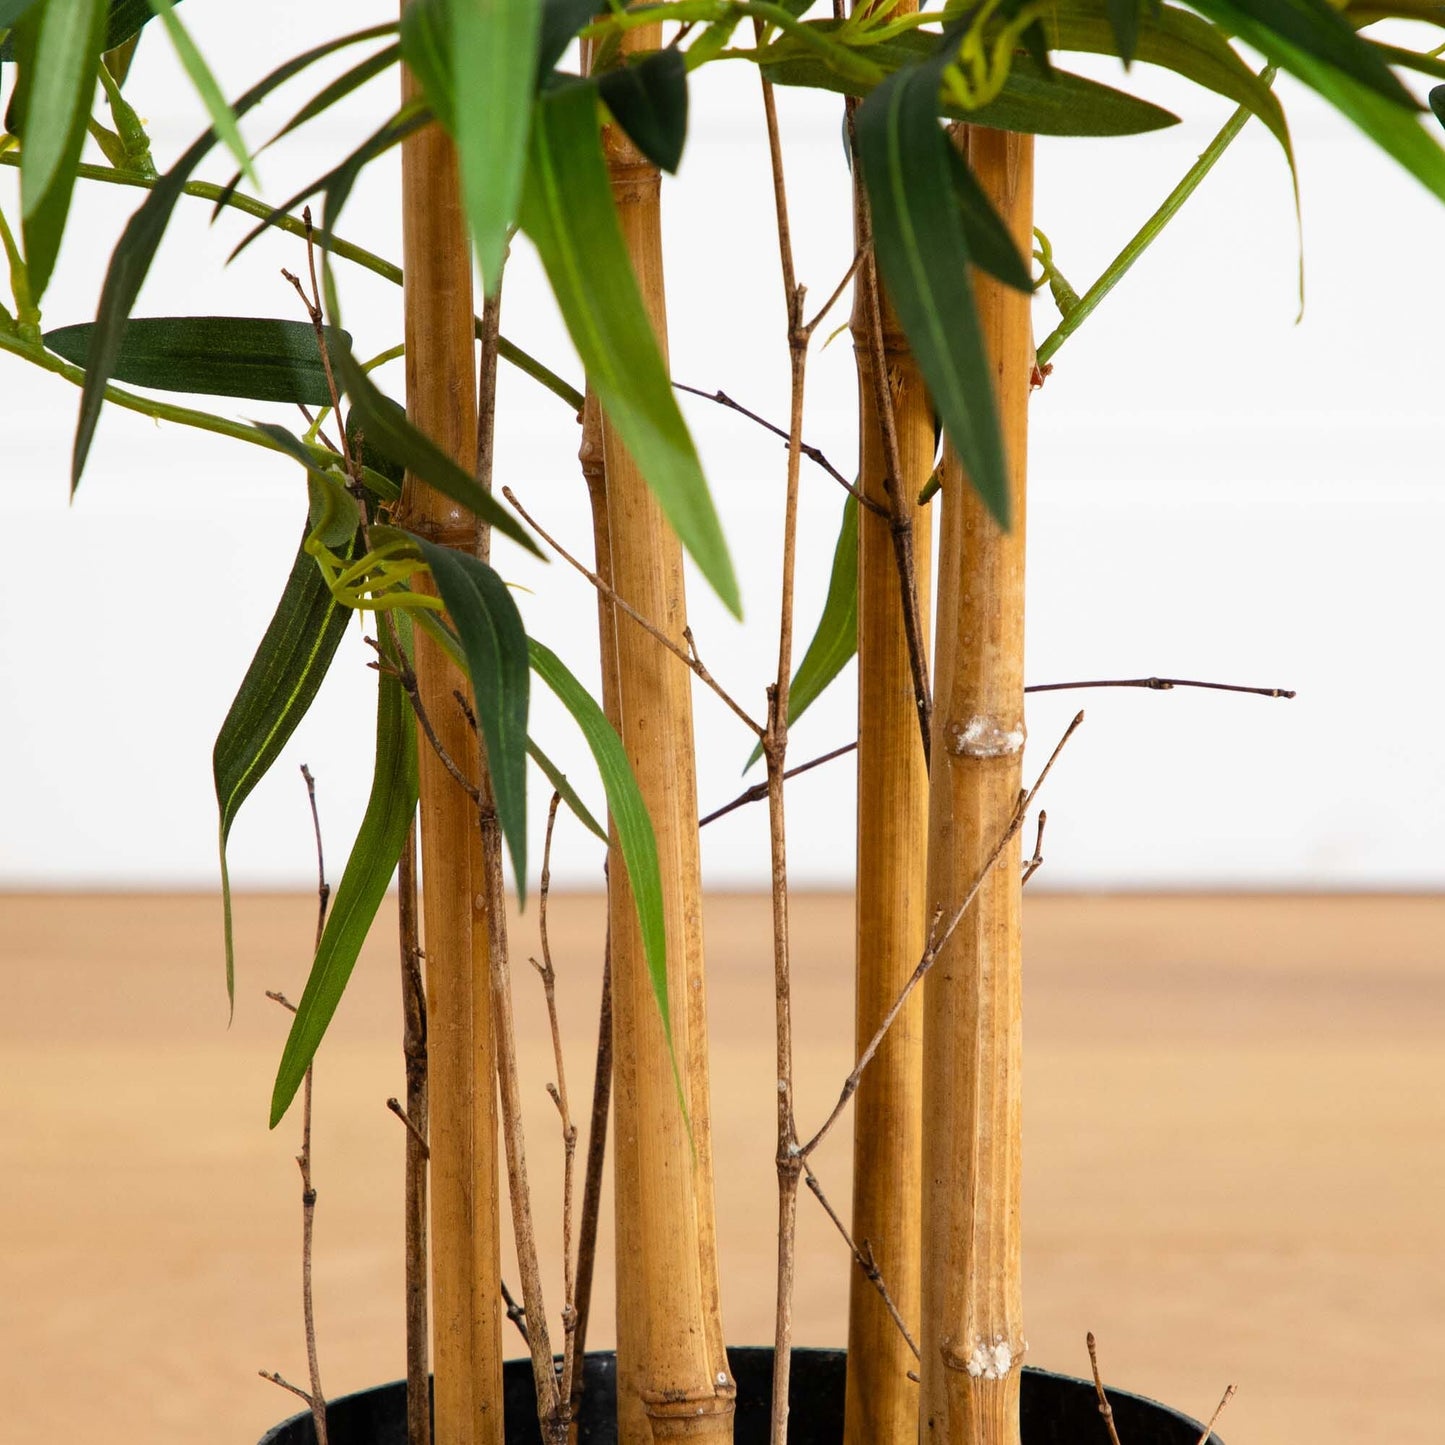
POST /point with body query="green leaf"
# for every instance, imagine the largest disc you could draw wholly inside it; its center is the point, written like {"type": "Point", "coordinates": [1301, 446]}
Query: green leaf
{"type": "Point", "coordinates": [1437, 103]}
{"type": "Point", "coordinates": [131, 260]}
{"type": "Point", "coordinates": [984, 232]}
{"type": "Point", "coordinates": [60, 41]}
{"type": "Point", "coordinates": [12, 10]}
{"type": "Point", "coordinates": [649, 101]}
{"type": "Point", "coordinates": [389, 813]}
{"type": "Point", "coordinates": [371, 455]}
{"type": "Point", "coordinates": [568, 211]}
{"type": "Point", "coordinates": [494, 72]}
{"type": "Point", "coordinates": [1124, 22]}
{"type": "Point", "coordinates": [122, 23]}
{"type": "Point", "coordinates": [1311, 28]}
{"type": "Point", "coordinates": [246, 356]}
{"type": "Point", "coordinates": [223, 118]}
{"type": "Point", "coordinates": [635, 837]}
{"type": "Point", "coordinates": [325, 466]}
{"type": "Point", "coordinates": [922, 252]}
{"type": "Point", "coordinates": [394, 436]}
{"type": "Point", "coordinates": [275, 694]}
{"type": "Point", "coordinates": [426, 48]}
{"type": "Point", "coordinates": [560, 785]}
{"type": "Point", "coordinates": [494, 644]}
{"type": "Point", "coordinates": [835, 639]}
{"type": "Point", "coordinates": [561, 20]}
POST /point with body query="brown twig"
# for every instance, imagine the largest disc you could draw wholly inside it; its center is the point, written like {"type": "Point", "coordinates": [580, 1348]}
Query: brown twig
{"type": "Point", "coordinates": [936, 941]}
{"type": "Point", "coordinates": [837, 292]}
{"type": "Point", "coordinates": [418, 1150]}
{"type": "Point", "coordinates": [558, 1091]}
{"type": "Point", "coordinates": [687, 655]}
{"type": "Point", "coordinates": [1105, 1408]}
{"type": "Point", "coordinates": [863, 1257]}
{"type": "Point", "coordinates": [278, 1379]}
{"type": "Point", "coordinates": [759, 791]}
{"type": "Point", "coordinates": [1036, 862]}
{"type": "Point", "coordinates": [1161, 684]}
{"type": "Point", "coordinates": [1224, 1399]}
{"type": "Point", "coordinates": [517, 1314]}
{"type": "Point", "coordinates": [721, 398]}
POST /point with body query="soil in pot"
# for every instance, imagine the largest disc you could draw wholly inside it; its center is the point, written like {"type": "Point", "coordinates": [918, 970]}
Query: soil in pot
{"type": "Point", "coordinates": [1056, 1409]}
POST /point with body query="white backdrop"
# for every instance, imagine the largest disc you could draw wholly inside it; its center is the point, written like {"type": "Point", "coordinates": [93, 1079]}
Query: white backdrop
{"type": "Point", "coordinates": [1216, 492]}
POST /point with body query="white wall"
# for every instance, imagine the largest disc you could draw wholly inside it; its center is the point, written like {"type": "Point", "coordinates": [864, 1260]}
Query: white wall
{"type": "Point", "coordinates": [1217, 492]}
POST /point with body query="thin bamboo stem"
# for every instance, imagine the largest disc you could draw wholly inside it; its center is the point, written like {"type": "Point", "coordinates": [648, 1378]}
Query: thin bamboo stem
{"type": "Point", "coordinates": [891, 901]}
{"type": "Point", "coordinates": [972, 1337]}
{"type": "Point", "coordinates": [672, 1377]}
{"type": "Point", "coordinates": [466, 1246]}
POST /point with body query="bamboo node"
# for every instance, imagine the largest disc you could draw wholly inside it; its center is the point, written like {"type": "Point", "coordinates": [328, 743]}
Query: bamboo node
{"type": "Point", "coordinates": [985, 736]}
{"type": "Point", "coordinates": [989, 1360]}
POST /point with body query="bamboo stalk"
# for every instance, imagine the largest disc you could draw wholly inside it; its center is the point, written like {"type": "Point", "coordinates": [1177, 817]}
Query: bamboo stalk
{"type": "Point", "coordinates": [891, 901]}
{"type": "Point", "coordinates": [466, 1246]}
{"type": "Point", "coordinates": [973, 1341]}
{"type": "Point", "coordinates": [672, 1372]}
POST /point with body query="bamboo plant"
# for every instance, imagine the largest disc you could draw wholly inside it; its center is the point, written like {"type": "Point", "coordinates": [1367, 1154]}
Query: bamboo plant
{"type": "Point", "coordinates": [501, 135]}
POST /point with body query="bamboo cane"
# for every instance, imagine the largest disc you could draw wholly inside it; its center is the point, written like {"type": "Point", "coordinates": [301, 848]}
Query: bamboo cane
{"type": "Point", "coordinates": [972, 1341]}
{"type": "Point", "coordinates": [882, 1402]}
{"type": "Point", "coordinates": [466, 1246]}
{"type": "Point", "coordinates": [672, 1372]}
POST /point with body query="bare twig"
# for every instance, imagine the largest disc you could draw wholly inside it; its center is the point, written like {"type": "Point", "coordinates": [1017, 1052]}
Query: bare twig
{"type": "Point", "coordinates": [759, 791]}
{"type": "Point", "coordinates": [937, 939]}
{"type": "Point", "coordinates": [394, 1105]}
{"type": "Point", "coordinates": [1218, 1411]}
{"type": "Point", "coordinates": [279, 1379]}
{"type": "Point", "coordinates": [863, 1257]}
{"type": "Point", "coordinates": [838, 290]}
{"type": "Point", "coordinates": [1105, 1408]}
{"type": "Point", "coordinates": [687, 655]}
{"type": "Point", "coordinates": [517, 1314]}
{"type": "Point", "coordinates": [1161, 684]}
{"type": "Point", "coordinates": [1037, 861]}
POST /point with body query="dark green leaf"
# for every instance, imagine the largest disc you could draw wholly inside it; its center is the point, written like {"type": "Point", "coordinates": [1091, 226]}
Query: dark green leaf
{"type": "Point", "coordinates": [835, 639]}
{"type": "Point", "coordinates": [426, 27]}
{"type": "Point", "coordinates": [494, 74]}
{"type": "Point", "coordinates": [1124, 22]}
{"type": "Point", "coordinates": [649, 101]}
{"type": "Point", "coordinates": [568, 211]}
{"type": "Point", "coordinates": [394, 436]}
{"type": "Point", "coordinates": [131, 260]}
{"type": "Point", "coordinates": [389, 813]}
{"type": "Point", "coordinates": [66, 37]}
{"type": "Point", "coordinates": [247, 356]}
{"type": "Point", "coordinates": [494, 644]}
{"type": "Point", "coordinates": [922, 252]}
{"type": "Point", "coordinates": [1312, 28]}
{"type": "Point", "coordinates": [274, 696]}
{"type": "Point", "coordinates": [988, 239]}
{"type": "Point", "coordinates": [324, 465]}
{"type": "Point", "coordinates": [635, 837]}
{"type": "Point", "coordinates": [123, 22]}
{"type": "Point", "coordinates": [12, 10]}
{"type": "Point", "coordinates": [565, 790]}
{"type": "Point", "coordinates": [371, 455]}
{"type": "Point", "coordinates": [1437, 103]}
{"type": "Point", "coordinates": [561, 20]}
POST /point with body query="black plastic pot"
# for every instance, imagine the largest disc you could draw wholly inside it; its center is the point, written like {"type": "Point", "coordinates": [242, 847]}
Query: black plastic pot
{"type": "Point", "coordinates": [1056, 1409]}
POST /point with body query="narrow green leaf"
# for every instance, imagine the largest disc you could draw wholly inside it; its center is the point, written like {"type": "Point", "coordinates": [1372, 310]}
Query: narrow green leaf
{"type": "Point", "coordinates": [13, 10]}
{"type": "Point", "coordinates": [561, 20]}
{"type": "Point", "coordinates": [66, 36]}
{"type": "Point", "coordinates": [389, 813]}
{"type": "Point", "coordinates": [835, 639]}
{"type": "Point", "coordinates": [426, 46]}
{"type": "Point", "coordinates": [1437, 103]}
{"type": "Point", "coordinates": [1311, 28]}
{"type": "Point", "coordinates": [275, 694]}
{"type": "Point", "coordinates": [635, 837]}
{"type": "Point", "coordinates": [988, 239]}
{"type": "Point", "coordinates": [131, 259]}
{"type": "Point", "coordinates": [245, 356]}
{"type": "Point", "coordinates": [393, 435]}
{"type": "Point", "coordinates": [1124, 22]}
{"type": "Point", "coordinates": [568, 211]}
{"type": "Point", "coordinates": [649, 101]}
{"type": "Point", "coordinates": [326, 466]}
{"type": "Point", "coordinates": [223, 118]}
{"type": "Point", "coordinates": [494, 71]}
{"type": "Point", "coordinates": [494, 644]}
{"type": "Point", "coordinates": [922, 252]}
{"type": "Point", "coordinates": [560, 785]}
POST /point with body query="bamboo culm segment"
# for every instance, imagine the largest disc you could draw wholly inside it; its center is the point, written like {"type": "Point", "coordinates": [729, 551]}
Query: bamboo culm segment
{"type": "Point", "coordinates": [973, 1341]}
{"type": "Point", "coordinates": [466, 1246]}
{"type": "Point", "coordinates": [673, 1378]}
{"type": "Point", "coordinates": [882, 1402]}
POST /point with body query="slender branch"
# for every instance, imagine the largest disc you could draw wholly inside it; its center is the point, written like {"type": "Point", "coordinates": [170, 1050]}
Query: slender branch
{"type": "Point", "coordinates": [402, 671]}
{"type": "Point", "coordinates": [936, 942]}
{"type": "Point", "coordinates": [1036, 862]}
{"type": "Point", "coordinates": [1105, 1408]}
{"type": "Point", "coordinates": [686, 655]}
{"type": "Point", "coordinates": [394, 1104]}
{"type": "Point", "coordinates": [1161, 684]}
{"type": "Point", "coordinates": [863, 1257]}
{"type": "Point", "coordinates": [517, 1314]}
{"type": "Point", "coordinates": [1224, 1399]}
{"type": "Point", "coordinates": [759, 791]}
{"type": "Point", "coordinates": [814, 454]}
{"type": "Point", "coordinates": [279, 1379]}
{"type": "Point", "coordinates": [838, 290]}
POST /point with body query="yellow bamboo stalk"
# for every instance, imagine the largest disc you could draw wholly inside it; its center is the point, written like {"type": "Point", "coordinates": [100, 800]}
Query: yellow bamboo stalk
{"type": "Point", "coordinates": [891, 901]}
{"type": "Point", "coordinates": [466, 1245]}
{"type": "Point", "coordinates": [672, 1373]}
{"type": "Point", "coordinates": [973, 1341]}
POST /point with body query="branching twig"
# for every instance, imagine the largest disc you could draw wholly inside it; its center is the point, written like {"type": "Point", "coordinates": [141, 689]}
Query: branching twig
{"type": "Point", "coordinates": [687, 655]}
{"type": "Point", "coordinates": [863, 1257]}
{"type": "Point", "coordinates": [1036, 862]}
{"type": "Point", "coordinates": [517, 1314]}
{"type": "Point", "coordinates": [1105, 1408]}
{"type": "Point", "coordinates": [937, 939]}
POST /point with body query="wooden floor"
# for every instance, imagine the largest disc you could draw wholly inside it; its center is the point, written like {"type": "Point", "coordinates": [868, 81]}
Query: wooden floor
{"type": "Point", "coordinates": [1235, 1167]}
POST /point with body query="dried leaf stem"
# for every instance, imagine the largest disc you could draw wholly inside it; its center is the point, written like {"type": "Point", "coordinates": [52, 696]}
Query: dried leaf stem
{"type": "Point", "coordinates": [1105, 1408]}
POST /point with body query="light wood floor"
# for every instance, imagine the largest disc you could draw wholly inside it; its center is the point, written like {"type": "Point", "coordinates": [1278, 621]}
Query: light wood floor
{"type": "Point", "coordinates": [1235, 1168]}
